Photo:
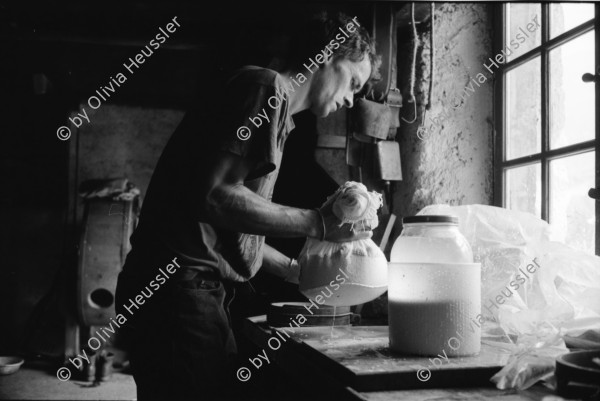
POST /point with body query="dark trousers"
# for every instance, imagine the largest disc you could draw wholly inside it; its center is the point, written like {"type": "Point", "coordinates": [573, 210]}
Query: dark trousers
{"type": "Point", "coordinates": [180, 341]}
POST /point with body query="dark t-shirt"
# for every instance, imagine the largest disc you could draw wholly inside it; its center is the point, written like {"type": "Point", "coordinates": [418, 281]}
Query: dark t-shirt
{"type": "Point", "coordinates": [169, 223]}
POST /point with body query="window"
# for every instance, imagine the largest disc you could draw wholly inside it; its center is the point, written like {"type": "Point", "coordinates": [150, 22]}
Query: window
{"type": "Point", "coordinates": [546, 122]}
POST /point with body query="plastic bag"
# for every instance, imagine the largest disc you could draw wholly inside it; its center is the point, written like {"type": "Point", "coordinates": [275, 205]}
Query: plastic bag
{"type": "Point", "coordinates": [535, 289]}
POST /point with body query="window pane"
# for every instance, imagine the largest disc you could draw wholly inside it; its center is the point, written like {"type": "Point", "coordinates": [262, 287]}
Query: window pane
{"type": "Point", "coordinates": [572, 101]}
{"type": "Point", "coordinates": [572, 211]}
{"type": "Point", "coordinates": [523, 110]}
{"type": "Point", "coordinates": [523, 28]}
{"type": "Point", "coordinates": [523, 189]}
{"type": "Point", "coordinates": [566, 16]}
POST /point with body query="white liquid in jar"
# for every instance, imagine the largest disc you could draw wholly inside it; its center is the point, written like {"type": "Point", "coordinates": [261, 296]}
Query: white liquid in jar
{"type": "Point", "coordinates": [432, 328]}
{"type": "Point", "coordinates": [434, 292]}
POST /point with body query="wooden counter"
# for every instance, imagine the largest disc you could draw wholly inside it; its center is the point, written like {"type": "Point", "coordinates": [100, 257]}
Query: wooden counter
{"type": "Point", "coordinates": [354, 362]}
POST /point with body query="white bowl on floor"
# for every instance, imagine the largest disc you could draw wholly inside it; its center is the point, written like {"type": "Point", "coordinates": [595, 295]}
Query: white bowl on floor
{"type": "Point", "coordinates": [10, 364]}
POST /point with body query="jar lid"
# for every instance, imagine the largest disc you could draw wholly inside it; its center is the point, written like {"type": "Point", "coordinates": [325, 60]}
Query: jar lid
{"type": "Point", "coordinates": [430, 219]}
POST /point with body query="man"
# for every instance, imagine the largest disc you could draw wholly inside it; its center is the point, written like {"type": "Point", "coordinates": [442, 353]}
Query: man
{"type": "Point", "coordinates": [208, 208]}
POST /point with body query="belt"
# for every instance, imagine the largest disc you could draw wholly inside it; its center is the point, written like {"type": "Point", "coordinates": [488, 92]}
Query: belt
{"type": "Point", "coordinates": [187, 274]}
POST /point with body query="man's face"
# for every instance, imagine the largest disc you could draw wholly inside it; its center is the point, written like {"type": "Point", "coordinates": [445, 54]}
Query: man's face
{"type": "Point", "coordinates": [336, 83]}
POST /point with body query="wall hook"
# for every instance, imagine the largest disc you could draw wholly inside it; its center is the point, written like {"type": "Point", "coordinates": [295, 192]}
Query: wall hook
{"type": "Point", "coordinates": [413, 101]}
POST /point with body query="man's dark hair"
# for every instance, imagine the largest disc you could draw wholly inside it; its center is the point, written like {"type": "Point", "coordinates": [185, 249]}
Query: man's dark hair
{"type": "Point", "coordinates": [312, 38]}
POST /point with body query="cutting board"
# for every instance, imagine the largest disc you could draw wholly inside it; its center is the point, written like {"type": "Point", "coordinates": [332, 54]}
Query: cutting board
{"type": "Point", "coordinates": [359, 357]}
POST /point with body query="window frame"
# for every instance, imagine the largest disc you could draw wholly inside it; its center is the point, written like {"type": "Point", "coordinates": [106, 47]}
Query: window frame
{"type": "Point", "coordinates": [546, 155]}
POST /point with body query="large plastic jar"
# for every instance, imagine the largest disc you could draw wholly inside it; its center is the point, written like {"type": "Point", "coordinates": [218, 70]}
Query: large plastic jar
{"type": "Point", "coordinates": [434, 290]}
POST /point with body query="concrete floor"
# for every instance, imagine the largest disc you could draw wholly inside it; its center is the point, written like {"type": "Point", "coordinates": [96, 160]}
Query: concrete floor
{"type": "Point", "coordinates": [38, 381]}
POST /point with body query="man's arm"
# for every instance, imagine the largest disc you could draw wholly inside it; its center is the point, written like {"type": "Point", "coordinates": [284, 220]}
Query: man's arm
{"type": "Point", "coordinates": [279, 265]}
{"type": "Point", "coordinates": [221, 199]}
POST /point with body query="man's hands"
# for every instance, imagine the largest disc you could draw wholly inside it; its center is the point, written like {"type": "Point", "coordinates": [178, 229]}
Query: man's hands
{"type": "Point", "coordinates": [333, 232]}
{"type": "Point", "coordinates": [293, 275]}
{"type": "Point", "coordinates": [279, 265]}
{"type": "Point", "coordinates": [220, 198]}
